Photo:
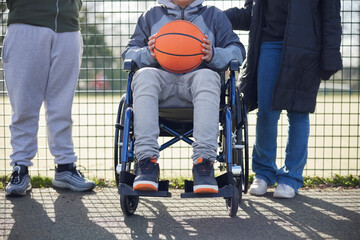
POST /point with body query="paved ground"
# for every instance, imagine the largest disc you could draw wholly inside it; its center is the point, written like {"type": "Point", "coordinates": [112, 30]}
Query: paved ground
{"type": "Point", "coordinates": [57, 214]}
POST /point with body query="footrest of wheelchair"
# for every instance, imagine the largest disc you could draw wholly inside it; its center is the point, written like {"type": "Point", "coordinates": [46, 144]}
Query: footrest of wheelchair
{"type": "Point", "coordinates": [225, 191]}
{"type": "Point", "coordinates": [225, 184]}
{"type": "Point", "coordinates": [125, 189]}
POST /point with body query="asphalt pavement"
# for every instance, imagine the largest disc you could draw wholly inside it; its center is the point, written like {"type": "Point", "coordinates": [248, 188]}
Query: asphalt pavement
{"type": "Point", "coordinates": [59, 214]}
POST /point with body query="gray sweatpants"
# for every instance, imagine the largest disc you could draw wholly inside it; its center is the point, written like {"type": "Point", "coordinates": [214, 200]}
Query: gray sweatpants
{"type": "Point", "coordinates": [41, 66]}
{"type": "Point", "coordinates": [153, 87]}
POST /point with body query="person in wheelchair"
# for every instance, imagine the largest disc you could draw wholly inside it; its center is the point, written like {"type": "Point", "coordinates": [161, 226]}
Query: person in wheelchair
{"type": "Point", "coordinates": [154, 87]}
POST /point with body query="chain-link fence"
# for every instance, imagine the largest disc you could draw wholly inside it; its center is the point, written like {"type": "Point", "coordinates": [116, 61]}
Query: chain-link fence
{"type": "Point", "coordinates": [106, 26]}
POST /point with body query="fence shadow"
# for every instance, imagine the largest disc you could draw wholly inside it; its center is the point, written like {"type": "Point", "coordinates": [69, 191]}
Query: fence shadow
{"type": "Point", "coordinates": [303, 217]}
{"type": "Point", "coordinates": [70, 220]}
{"type": "Point", "coordinates": [45, 214]}
{"type": "Point", "coordinates": [31, 220]}
{"type": "Point", "coordinates": [161, 223]}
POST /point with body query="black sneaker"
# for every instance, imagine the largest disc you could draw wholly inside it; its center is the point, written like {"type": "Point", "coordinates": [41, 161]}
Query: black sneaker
{"type": "Point", "coordinates": [147, 175]}
{"type": "Point", "coordinates": [66, 176]}
{"type": "Point", "coordinates": [204, 179]}
{"type": "Point", "coordinates": [19, 182]}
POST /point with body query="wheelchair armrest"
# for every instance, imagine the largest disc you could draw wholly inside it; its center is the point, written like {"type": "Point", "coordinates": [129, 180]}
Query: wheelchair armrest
{"type": "Point", "coordinates": [130, 65]}
{"type": "Point", "coordinates": [234, 65]}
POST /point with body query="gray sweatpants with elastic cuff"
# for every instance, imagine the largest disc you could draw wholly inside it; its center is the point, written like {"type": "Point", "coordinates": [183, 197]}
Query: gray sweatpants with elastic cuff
{"type": "Point", "coordinates": [41, 66]}
{"type": "Point", "coordinates": [153, 88]}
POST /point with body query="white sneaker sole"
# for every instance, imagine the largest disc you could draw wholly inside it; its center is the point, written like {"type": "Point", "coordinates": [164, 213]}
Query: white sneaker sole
{"type": "Point", "coordinates": [256, 192]}
{"type": "Point", "coordinates": [17, 192]}
{"type": "Point", "coordinates": [283, 195]}
{"type": "Point", "coordinates": [60, 184]}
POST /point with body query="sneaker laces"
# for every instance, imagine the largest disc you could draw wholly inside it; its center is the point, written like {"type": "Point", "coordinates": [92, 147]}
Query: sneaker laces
{"type": "Point", "coordinates": [15, 176]}
{"type": "Point", "coordinates": [74, 170]}
{"type": "Point", "coordinates": [147, 165]}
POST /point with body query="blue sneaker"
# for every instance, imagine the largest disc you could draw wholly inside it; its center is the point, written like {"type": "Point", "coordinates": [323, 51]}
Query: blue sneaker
{"type": "Point", "coordinates": [204, 179]}
{"type": "Point", "coordinates": [66, 176]}
{"type": "Point", "coordinates": [147, 175]}
{"type": "Point", "coordinates": [19, 182]}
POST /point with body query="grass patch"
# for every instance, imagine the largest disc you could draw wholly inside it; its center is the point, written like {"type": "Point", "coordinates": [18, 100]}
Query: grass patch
{"type": "Point", "coordinates": [41, 182]}
{"type": "Point", "coordinates": [177, 182]}
{"type": "Point", "coordinates": [335, 181]}
{"type": "Point", "coordinates": [349, 181]}
{"type": "Point", "coordinates": [101, 182]}
{"type": "Point", "coordinates": [3, 181]}
{"type": "Point", "coordinates": [36, 181]}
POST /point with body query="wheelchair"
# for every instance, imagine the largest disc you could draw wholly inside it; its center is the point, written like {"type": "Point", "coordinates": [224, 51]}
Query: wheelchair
{"type": "Point", "coordinates": [177, 123]}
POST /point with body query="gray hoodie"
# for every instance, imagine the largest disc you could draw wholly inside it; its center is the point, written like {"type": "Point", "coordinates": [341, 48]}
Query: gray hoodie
{"type": "Point", "coordinates": [211, 20]}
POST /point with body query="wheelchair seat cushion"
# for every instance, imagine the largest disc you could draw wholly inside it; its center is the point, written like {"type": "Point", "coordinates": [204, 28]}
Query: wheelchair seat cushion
{"type": "Point", "coordinates": [178, 114]}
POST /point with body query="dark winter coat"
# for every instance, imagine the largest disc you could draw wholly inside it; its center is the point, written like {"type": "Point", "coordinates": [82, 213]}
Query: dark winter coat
{"type": "Point", "coordinates": [311, 51]}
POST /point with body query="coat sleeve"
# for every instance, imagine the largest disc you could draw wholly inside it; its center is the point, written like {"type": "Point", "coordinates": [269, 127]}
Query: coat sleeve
{"type": "Point", "coordinates": [240, 18]}
{"type": "Point", "coordinates": [227, 45]}
{"type": "Point", "coordinates": [331, 31]}
{"type": "Point", "coordinates": [137, 48]}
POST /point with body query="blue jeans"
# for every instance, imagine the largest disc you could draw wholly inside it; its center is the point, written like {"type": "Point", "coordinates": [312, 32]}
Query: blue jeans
{"type": "Point", "coordinates": [264, 152]}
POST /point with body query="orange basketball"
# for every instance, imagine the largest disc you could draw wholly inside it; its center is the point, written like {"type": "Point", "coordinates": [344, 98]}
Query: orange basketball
{"type": "Point", "coordinates": [178, 46]}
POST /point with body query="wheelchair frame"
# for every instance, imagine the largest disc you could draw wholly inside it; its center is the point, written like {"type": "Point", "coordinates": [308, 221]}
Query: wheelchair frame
{"type": "Point", "coordinates": [233, 152]}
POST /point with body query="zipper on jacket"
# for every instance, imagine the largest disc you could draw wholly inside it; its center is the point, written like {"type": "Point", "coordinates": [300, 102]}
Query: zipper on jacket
{"type": "Point", "coordinates": [57, 14]}
{"type": "Point", "coordinates": [182, 13]}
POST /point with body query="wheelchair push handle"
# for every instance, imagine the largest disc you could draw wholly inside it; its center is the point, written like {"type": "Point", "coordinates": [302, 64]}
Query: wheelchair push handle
{"type": "Point", "coordinates": [130, 65]}
{"type": "Point", "coordinates": [234, 65]}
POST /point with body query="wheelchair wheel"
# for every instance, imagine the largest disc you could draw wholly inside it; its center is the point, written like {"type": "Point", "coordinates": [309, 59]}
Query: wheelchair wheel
{"type": "Point", "coordinates": [119, 135]}
{"type": "Point", "coordinates": [232, 203]}
{"type": "Point", "coordinates": [119, 132]}
{"type": "Point", "coordinates": [241, 155]}
{"type": "Point", "coordinates": [238, 161]}
{"type": "Point", "coordinates": [239, 185]}
{"type": "Point", "coordinates": [245, 138]}
{"type": "Point", "coordinates": [129, 204]}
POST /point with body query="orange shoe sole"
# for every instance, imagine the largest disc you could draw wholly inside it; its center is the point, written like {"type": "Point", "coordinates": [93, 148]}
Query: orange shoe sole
{"type": "Point", "coordinates": [145, 187]}
{"type": "Point", "coordinates": [206, 190]}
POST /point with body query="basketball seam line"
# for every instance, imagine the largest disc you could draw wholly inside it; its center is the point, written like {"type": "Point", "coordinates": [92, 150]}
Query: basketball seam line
{"type": "Point", "coordinates": [180, 55]}
{"type": "Point", "coordinates": [183, 34]}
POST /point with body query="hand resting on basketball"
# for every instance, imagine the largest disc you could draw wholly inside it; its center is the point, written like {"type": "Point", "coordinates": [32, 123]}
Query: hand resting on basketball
{"type": "Point", "coordinates": [151, 45]}
{"type": "Point", "coordinates": [207, 50]}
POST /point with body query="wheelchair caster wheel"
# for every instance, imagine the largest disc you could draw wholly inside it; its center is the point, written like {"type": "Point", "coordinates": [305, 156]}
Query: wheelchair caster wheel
{"type": "Point", "coordinates": [239, 185]}
{"type": "Point", "coordinates": [129, 204]}
{"type": "Point", "coordinates": [232, 203]}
